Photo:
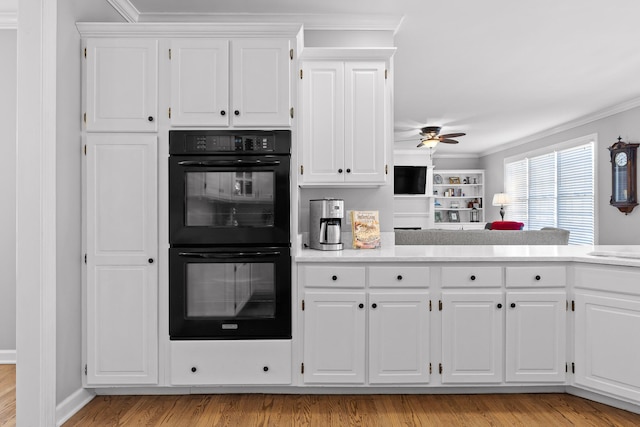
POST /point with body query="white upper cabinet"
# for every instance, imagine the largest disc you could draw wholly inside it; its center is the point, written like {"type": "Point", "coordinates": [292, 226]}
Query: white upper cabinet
{"type": "Point", "coordinates": [121, 85]}
{"type": "Point", "coordinates": [345, 119]}
{"type": "Point", "coordinates": [221, 82]}
{"type": "Point", "coordinates": [199, 82]}
{"type": "Point", "coordinates": [261, 95]}
{"type": "Point", "coordinates": [121, 258]}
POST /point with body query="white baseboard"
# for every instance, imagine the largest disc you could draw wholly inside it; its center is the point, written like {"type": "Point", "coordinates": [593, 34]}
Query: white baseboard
{"type": "Point", "coordinates": [72, 404]}
{"type": "Point", "coordinates": [7, 357]}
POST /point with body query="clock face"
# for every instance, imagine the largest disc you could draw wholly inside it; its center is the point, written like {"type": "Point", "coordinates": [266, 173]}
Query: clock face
{"type": "Point", "coordinates": [621, 159]}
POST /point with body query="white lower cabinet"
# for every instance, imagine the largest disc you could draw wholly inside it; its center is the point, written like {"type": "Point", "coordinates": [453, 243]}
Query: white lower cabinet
{"type": "Point", "coordinates": [399, 336]}
{"type": "Point", "coordinates": [367, 334]}
{"type": "Point", "coordinates": [334, 337]}
{"type": "Point", "coordinates": [536, 336]}
{"type": "Point", "coordinates": [607, 348]}
{"type": "Point", "coordinates": [257, 362]}
{"type": "Point", "coordinates": [121, 295]}
{"type": "Point", "coordinates": [472, 336]}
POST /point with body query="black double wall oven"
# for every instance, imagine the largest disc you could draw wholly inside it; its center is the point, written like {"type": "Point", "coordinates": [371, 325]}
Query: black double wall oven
{"type": "Point", "coordinates": [229, 235]}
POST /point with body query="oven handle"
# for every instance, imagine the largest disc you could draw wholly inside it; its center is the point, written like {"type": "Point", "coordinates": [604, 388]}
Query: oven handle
{"type": "Point", "coordinates": [226, 255]}
{"type": "Point", "coordinates": [227, 163]}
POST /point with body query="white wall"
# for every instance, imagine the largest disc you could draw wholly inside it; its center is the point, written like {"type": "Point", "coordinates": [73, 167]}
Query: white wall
{"type": "Point", "coordinates": [612, 227]}
{"type": "Point", "coordinates": [8, 81]}
{"type": "Point", "coordinates": [69, 233]}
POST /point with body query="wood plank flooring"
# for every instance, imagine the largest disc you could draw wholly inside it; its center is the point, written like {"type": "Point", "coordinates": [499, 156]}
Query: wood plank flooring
{"type": "Point", "coordinates": [350, 410]}
{"type": "Point", "coordinates": [246, 410]}
{"type": "Point", "coordinates": [7, 395]}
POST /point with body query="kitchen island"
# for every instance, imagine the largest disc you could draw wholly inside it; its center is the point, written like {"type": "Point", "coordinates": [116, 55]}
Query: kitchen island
{"type": "Point", "coordinates": [471, 319]}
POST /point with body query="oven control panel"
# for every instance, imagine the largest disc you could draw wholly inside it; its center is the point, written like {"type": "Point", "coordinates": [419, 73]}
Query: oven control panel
{"type": "Point", "coordinates": [225, 143]}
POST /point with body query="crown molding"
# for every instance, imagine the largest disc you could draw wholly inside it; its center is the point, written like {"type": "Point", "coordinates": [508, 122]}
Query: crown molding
{"type": "Point", "coordinates": [9, 20]}
{"type": "Point", "coordinates": [127, 10]}
{"type": "Point", "coordinates": [185, 29]}
{"type": "Point", "coordinates": [314, 22]}
{"type": "Point", "coordinates": [337, 53]}
{"type": "Point", "coordinates": [581, 121]}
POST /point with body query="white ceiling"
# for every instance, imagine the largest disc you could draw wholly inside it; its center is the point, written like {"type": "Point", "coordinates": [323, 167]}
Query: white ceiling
{"type": "Point", "coordinates": [499, 70]}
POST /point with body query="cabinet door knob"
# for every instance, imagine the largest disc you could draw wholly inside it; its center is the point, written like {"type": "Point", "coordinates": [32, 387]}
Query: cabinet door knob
{"type": "Point", "coordinates": [266, 368]}
{"type": "Point", "coordinates": [360, 305]}
{"type": "Point", "coordinates": [374, 305]}
{"type": "Point", "coordinates": [399, 277]}
{"type": "Point", "coordinates": [222, 112]}
{"type": "Point", "coordinates": [538, 277]}
{"type": "Point", "coordinates": [348, 170]}
{"type": "Point", "coordinates": [150, 260]}
{"type": "Point", "coordinates": [499, 305]}
{"type": "Point", "coordinates": [237, 113]}
{"type": "Point", "coordinates": [150, 118]}
{"type": "Point", "coordinates": [473, 277]}
{"type": "Point", "coordinates": [339, 170]}
{"type": "Point", "coordinates": [193, 369]}
{"type": "Point", "coordinates": [513, 305]}
{"type": "Point", "coordinates": [334, 277]}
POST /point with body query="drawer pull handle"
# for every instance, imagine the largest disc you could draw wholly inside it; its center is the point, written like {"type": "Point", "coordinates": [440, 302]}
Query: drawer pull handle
{"type": "Point", "coordinates": [339, 170]}
{"type": "Point", "coordinates": [150, 260]}
{"type": "Point", "coordinates": [237, 113]}
{"type": "Point", "coordinates": [360, 305]}
{"type": "Point", "coordinates": [334, 278]}
{"type": "Point", "coordinates": [266, 369]}
{"type": "Point", "coordinates": [348, 170]}
{"type": "Point", "coordinates": [499, 305]}
{"type": "Point", "coordinates": [374, 305]}
{"type": "Point", "coordinates": [473, 277]}
{"type": "Point", "coordinates": [513, 305]}
{"type": "Point", "coordinates": [150, 118]}
{"type": "Point", "coordinates": [399, 277]}
{"type": "Point", "coordinates": [222, 112]}
{"type": "Point", "coordinates": [194, 369]}
{"type": "Point", "coordinates": [538, 277]}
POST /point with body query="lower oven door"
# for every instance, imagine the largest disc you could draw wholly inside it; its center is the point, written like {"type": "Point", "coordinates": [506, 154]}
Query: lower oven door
{"type": "Point", "coordinates": [230, 293]}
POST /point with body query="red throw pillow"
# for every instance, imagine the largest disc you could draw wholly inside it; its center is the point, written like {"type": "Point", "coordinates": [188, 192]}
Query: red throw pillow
{"type": "Point", "coordinates": [507, 225]}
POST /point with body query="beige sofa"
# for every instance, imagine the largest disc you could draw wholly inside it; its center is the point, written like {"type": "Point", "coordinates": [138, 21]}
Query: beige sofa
{"type": "Point", "coordinates": [545, 236]}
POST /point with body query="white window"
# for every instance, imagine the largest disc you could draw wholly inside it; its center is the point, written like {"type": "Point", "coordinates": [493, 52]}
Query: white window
{"type": "Point", "coordinates": [554, 187]}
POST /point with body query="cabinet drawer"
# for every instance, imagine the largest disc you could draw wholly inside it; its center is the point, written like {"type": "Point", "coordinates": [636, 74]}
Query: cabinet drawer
{"type": "Point", "coordinates": [332, 276]}
{"type": "Point", "coordinates": [399, 276]}
{"type": "Point", "coordinates": [471, 276]}
{"type": "Point", "coordinates": [520, 277]}
{"type": "Point", "coordinates": [230, 362]}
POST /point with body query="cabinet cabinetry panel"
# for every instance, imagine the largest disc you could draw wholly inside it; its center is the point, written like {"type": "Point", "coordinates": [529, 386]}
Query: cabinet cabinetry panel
{"type": "Point", "coordinates": [121, 243]}
{"type": "Point", "coordinates": [536, 336]}
{"type": "Point", "coordinates": [199, 82]}
{"type": "Point", "coordinates": [476, 276]}
{"type": "Point", "coordinates": [607, 350]}
{"type": "Point", "coordinates": [334, 337]}
{"type": "Point", "coordinates": [333, 276]}
{"type": "Point", "coordinates": [121, 85]}
{"type": "Point", "coordinates": [399, 337]}
{"type": "Point", "coordinates": [472, 328]}
{"type": "Point", "coordinates": [260, 82]}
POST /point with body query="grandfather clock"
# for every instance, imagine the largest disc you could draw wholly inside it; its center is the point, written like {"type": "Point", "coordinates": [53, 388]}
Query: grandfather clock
{"type": "Point", "coordinates": [623, 176]}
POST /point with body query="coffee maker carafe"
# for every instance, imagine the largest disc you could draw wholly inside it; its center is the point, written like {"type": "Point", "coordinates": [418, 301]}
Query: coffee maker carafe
{"type": "Point", "coordinates": [325, 224]}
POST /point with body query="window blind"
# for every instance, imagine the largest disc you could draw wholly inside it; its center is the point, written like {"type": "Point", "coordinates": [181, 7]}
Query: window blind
{"type": "Point", "coordinates": [554, 189]}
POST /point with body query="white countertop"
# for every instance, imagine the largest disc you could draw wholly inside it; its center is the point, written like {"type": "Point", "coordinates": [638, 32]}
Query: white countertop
{"type": "Point", "coordinates": [613, 255]}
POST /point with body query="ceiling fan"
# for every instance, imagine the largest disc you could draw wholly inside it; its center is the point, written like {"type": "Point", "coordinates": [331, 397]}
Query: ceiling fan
{"type": "Point", "coordinates": [431, 137]}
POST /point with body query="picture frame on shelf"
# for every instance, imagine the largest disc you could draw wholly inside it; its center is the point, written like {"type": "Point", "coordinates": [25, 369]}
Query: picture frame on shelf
{"type": "Point", "coordinates": [454, 216]}
{"type": "Point", "coordinates": [454, 180]}
{"type": "Point", "coordinates": [437, 216]}
{"type": "Point", "coordinates": [437, 179]}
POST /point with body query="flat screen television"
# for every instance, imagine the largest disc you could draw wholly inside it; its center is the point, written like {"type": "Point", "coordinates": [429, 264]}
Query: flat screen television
{"type": "Point", "coordinates": [409, 179]}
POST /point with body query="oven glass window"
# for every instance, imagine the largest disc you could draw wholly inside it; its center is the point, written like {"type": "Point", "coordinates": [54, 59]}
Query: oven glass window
{"type": "Point", "coordinates": [230, 290]}
{"type": "Point", "coordinates": [229, 199]}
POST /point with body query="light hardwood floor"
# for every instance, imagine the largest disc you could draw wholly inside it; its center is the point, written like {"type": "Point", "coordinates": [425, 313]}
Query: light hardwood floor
{"type": "Point", "coordinates": [248, 410]}
{"type": "Point", "coordinates": [7, 395]}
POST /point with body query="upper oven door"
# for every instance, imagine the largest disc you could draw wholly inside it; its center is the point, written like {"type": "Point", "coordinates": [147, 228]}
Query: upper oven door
{"type": "Point", "coordinates": [229, 200]}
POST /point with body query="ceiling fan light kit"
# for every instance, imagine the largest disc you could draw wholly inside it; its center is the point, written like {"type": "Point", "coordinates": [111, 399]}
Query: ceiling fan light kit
{"type": "Point", "coordinates": [431, 137]}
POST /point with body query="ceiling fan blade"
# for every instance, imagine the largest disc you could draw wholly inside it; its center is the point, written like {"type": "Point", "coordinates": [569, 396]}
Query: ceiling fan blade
{"type": "Point", "coordinates": [449, 141]}
{"type": "Point", "coordinates": [451, 135]}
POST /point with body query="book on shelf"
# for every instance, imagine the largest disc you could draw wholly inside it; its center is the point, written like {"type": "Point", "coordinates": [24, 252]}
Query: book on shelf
{"type": "Point", "coordinates": [365, 228]}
